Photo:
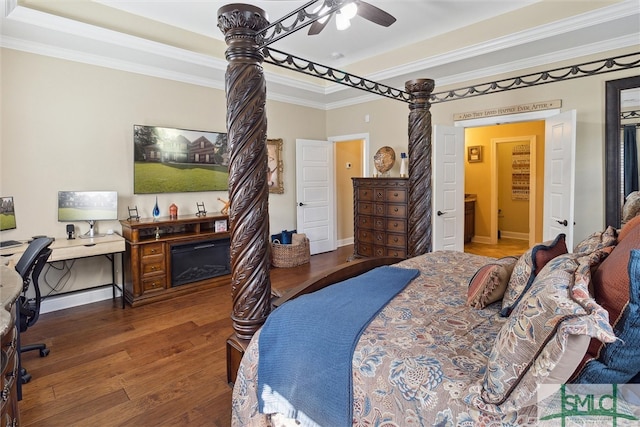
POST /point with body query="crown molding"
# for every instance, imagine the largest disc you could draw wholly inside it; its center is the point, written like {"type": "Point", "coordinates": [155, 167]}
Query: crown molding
{"type": "Point", "coordinates": [617, 11]}
{"type": "Point", "coordinates": [123, 52]}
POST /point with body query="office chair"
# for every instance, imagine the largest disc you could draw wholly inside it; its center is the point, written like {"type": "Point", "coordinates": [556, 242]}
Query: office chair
{"type": "Point", "coordinates": [29, 267]}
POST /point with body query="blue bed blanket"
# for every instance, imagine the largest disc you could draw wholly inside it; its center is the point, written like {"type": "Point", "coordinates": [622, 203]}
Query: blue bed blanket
{"type": "Point", "coordinates": [307, 344]}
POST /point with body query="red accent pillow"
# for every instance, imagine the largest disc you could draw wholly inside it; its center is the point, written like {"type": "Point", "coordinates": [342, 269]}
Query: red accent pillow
{"type": "Point", "coordinates": [611, 281]}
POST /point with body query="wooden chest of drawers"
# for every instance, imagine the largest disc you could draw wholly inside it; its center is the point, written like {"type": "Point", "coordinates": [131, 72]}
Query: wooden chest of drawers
{"type": "Point", "coordinates": [380, 216]}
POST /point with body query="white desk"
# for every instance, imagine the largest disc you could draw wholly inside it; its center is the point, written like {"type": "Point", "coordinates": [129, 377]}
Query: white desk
{"type": "Point", "coordinates": [64, 249]}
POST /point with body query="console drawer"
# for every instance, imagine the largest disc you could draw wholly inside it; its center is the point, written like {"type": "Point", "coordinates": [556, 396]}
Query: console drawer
{"type": "Point", "coordinates": [151, 249]}
{"type": "Point", "coordinates": [156, 283]}
{"type": "Point", "coordinates": [153, 267]}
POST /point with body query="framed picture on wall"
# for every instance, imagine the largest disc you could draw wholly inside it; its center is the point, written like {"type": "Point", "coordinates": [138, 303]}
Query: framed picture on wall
{"type": "Point", "coordinates": [274, 174]}
{"type": "Point", "coordinates": [474, 154]}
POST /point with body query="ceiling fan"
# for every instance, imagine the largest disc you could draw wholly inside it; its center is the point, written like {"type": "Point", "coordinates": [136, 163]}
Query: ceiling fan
{"type": "Point", "coordinates": [348, 11]}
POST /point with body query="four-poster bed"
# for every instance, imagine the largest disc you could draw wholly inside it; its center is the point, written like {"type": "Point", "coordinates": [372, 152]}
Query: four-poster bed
{"type": "Point", "coordinates": [248, 33]}
{"type": "Point", "coordinates": [244, 27]}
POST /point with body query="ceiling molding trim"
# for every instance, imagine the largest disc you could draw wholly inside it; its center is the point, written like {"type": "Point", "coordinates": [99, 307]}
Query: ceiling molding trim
{"type": "Point", "coordinates": [59, 24]}
{"type": "Point", "coordinates": [620, 10]}
{"type": "Point", "coordinates": [101, 61]}
{"type": "Point", "coordinates": [537, 61]}
{"type": "Point", "coordinates": [274, 96]}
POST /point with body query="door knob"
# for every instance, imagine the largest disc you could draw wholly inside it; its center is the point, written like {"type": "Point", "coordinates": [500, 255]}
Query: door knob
{"type": "Point", "coordinates": [300, 204]}
{"type": "Point", "coordinates": [565, 223]}
{"type": "Point", "coordinates": [440, 213]}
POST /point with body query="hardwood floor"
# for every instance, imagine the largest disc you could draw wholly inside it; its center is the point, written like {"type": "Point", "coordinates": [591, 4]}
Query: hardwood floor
{"type": "Point", "coordinates": [162, 364]}
{"type": "Point", "coordinates": [505, 247]}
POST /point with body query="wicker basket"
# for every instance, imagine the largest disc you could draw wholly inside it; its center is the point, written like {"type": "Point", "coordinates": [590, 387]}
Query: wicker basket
{"type": "Point", "coordinates": [290, 255]}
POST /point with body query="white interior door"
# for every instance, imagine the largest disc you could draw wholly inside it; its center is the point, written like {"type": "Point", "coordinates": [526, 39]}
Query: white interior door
{"type": "Point", "coordinates": [559, 176]}
{"type": "Point", "coordinates": [448, 188]}
{"type": "Point", "coordinates": [316, 206]}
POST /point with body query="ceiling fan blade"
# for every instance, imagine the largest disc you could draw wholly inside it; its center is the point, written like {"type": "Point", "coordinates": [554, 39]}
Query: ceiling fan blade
{"type": "Point", "coordinates": [374, 14]}
{"type": "Point", "coordinates": [318, 26]}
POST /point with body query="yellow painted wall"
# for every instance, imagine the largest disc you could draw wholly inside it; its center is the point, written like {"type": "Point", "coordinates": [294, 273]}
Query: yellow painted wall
{"type": "Point", "coordinates": [347, 152]}
{"type": "Point", "coordinates": [478, 175]}
{"type": "Point", "coordinates": [513, 215]}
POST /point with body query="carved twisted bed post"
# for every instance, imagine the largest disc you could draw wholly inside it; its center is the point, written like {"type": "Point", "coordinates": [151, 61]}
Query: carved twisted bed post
{"type": "Point", "coordinates": [419, 227]}
{"type": "Point", "coordinates": [248, 188]}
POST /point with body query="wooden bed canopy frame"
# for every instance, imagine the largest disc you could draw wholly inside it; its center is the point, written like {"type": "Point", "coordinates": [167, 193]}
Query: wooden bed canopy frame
{"type": "Point", "coordinates": [247, 34]}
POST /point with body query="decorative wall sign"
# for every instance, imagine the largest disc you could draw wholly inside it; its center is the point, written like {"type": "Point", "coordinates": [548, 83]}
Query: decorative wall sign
{"type": "Point", "coordinates": [514, 109]}
{"type": "Point", "coordinates": [520, 172]}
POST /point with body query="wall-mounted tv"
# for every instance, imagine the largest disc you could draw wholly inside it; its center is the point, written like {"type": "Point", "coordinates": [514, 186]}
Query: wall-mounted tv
{"type": "Point", "coordinates": [90, 206]}
{"type": "Point", "coordinates": [7, 214]}
{"type": "Point", "coordinates": [169, 160]}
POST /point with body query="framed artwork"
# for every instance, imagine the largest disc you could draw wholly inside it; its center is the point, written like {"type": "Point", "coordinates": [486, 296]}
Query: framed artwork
{"type": "Point", "coordinates": [474, 154]}
{"type": "Point", "coordinates": [170, 160]}
{"type": "Point", "coordinates": [274, 174]}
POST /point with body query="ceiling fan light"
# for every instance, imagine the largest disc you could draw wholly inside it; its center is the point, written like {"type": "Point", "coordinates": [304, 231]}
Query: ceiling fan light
{"type": "Point", "coordinates": [349, 10]}
{"type": "Point", "coordinates": [342, 23]}
{"type": "Point", "coordinates": [320, 10]}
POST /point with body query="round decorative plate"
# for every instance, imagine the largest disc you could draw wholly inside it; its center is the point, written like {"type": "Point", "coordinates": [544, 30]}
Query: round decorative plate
{"type": "Point", "coordinates": [384, 159]}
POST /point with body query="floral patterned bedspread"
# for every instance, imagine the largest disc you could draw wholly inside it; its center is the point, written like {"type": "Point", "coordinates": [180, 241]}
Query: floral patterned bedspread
{"type": "Point", "coordinates": [420, 362]}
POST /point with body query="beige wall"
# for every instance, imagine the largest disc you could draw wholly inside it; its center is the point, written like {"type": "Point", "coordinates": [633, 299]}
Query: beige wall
{"type": "Point", "coordinates": [586, 95]}
{"type": "Point", "coordinates": [69, 126]}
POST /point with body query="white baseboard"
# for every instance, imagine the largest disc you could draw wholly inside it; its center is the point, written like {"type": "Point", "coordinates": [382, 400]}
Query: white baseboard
{"type": "Point", "coordinates": [60, 302]}
{"type": "Point", "coordinates": [345, 242]}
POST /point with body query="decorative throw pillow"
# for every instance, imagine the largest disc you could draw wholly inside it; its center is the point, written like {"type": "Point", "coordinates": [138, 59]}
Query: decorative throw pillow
{"type": "Point", "coordinates": [617, 289]}
{"type": "Point", "coordinates": [489, 283]}
{"type": "Point", "coordinates": [526, 269]}
{"type": "Point", "coordinates": [628, 227]}
{"type": "Point", "coordinates": [598, 240]}
{"type": "Point", "coordinates": [534, 339]}
{"type": "Point", "coordinates": [631, 207]}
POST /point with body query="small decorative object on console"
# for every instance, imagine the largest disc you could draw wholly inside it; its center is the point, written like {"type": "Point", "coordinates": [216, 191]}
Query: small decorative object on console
{"type": "Point", "coordinates": [221, 225]}
{"type": "Point", "coordinates": [133, 213]}
{"type": "Point", "coordinates": [201, 210]}
{"type": "Point", "coordinates": [173, 211]}
{"type": "Point", "coordinates": [156, 210]}
{"type": "Point", "coordinates": [225, 209]}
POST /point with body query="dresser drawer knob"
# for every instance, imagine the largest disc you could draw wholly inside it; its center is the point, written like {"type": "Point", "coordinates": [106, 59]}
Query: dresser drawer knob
{"type": "Point", "coordinates": [395, 209]}
{"type": "Point", "coordinates": [395, 194]}
{"type": "Point", "coordinates": [395, 240]}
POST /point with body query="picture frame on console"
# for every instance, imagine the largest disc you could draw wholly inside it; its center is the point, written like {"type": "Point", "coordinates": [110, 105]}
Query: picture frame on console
{"type": "Point", "coordinates": [274, 174]}
{"type": "Point", "coordinates": [172, 160]}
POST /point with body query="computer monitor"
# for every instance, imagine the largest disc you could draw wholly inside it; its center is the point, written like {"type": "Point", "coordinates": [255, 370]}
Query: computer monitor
{"type": "Point", "coordinates": [7, 214]}
{"type": "Point", "coordinates": [89, 206]}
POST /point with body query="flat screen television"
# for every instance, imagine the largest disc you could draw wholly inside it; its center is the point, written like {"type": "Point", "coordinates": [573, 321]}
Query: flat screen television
{"type": "Point", "coordinates": [89, 206]}
{"type": "Point", "coordinates": [7, 214]}
{"type": "Point", "coordinates": [169, 160]}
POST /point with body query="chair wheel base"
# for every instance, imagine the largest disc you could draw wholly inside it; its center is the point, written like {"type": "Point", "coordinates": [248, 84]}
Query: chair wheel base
{"type": "Point", "coordinates": [44, 352]}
